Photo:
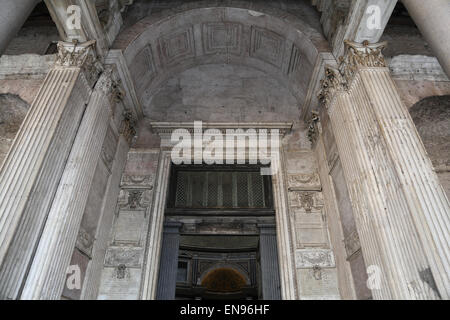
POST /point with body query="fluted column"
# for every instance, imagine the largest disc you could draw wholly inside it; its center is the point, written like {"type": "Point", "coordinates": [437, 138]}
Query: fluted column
{"type": "Point", "coordinates": [48, 271]}
{"type": "Point", "coordinates": [432, 18]}
{"type": "Point", "coordinates": [169, 262]}
{"type": "Point", "coordinates": [427, 202]}
{"type": "Point", "coordinates": [270, 272]}
{"type": "Point", "coordinates": [367, 118]}
{"type": "Point", "coordinates": [31, 172]}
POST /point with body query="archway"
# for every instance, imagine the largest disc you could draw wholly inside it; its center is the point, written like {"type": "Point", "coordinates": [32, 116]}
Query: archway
{"type": "Point", "coordinates": [275, 44]}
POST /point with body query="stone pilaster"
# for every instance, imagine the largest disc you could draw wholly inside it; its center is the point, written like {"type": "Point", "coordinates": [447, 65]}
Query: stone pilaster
{"type": "Point", "coordinates": [94, 272]}
{"type": "Point", "coordinates": [48, 271]}
{"type": "Point", "coordinates": [395, 194]}
{"type": "Point", "coordinates": [31, 172]}
{"type": "Point", "coordinates": [169, 262]}
{"type": "Point", "coordinates": [270, 272]}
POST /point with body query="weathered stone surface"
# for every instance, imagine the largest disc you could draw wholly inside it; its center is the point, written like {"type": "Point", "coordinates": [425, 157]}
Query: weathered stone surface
{"type": "Point", "coordinates": [308, 258]}
{"type": "Point", "coordinates": [129, 227]}
{"type": "Point", "coordinates": [318, 284]}
{"type": "Point", "coordinates": [130, 257]}
{"type": "Point", "coordinates": [120, 283]}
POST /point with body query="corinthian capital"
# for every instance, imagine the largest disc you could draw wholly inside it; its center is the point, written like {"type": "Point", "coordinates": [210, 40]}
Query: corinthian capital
{"type": "Point", "coordinates": [332, 83]}
{"type": "Point", "coordinates": [74, 54]}
{"type": "Point", "coordinates": [361, 55]}
{"type": "Point", "coordinates": [80, 55]}
{"type": "Point", "coordinates": [364, 54]}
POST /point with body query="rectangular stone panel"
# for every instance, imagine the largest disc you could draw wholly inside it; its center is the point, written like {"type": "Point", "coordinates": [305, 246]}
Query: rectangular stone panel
{"type": "Point", "coordinates": [308, 258]}
{"type": "Point", "coordinates": [318, 284]}
{"type": "Point", "coordinates": [176, 46]}
{"type": "Point", "coordinates": [222, 37]}
{"type": "Point", "coordinates": [143, 66]}
{"type": "Point", "coordinates": [310, 229]}
{"type": "Point", "coordinates": [294, 60]}
{"type": "Point", "coordinates": [128, 227]}
{"type": "Point", "coordinates": [267, 46]}
{"type": "Point", "coordinates": [120, 284]}
{"type": "Point", "coordinates": [130, 257]}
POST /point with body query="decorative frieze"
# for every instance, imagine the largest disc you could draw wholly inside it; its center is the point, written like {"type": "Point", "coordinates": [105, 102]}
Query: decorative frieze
{"type": "Point", "coordinates": [304, 182]}
{"type": "Point", "coordinates": [134, 199]}
{"type": "Point", "coordinates": [307, 200]}
{"type": "Point", "coordinates": [130, 257]}
{"type": "Point", "coordinates": [137, 181]}
{"type": "Point", "coordinates": [310, 258]}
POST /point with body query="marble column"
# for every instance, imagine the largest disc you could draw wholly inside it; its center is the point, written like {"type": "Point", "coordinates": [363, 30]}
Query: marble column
{"type": "Point", "coordinates": [47, 273]}
{"type": "Point", "coordinates": [432, 18]}
{"type": "Point", "coordinates": [270, 272]}
{"type": "Point", "coordinates": [169, 262]}
{"type": "Point", "coordinates": [400, 209]}
{"type": "Point", "coordinates": [31, 172]}
{"type": "Point", "coordinates": [12, 16]}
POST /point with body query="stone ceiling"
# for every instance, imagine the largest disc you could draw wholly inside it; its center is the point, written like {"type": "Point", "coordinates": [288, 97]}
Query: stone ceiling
{"type": "Point", "coordinates": [281, 42]}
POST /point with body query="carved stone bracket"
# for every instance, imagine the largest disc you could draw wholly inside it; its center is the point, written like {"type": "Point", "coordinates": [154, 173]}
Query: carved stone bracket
{"type": "Point", "coordinates": [128, 127]}
{"type": "Point", "coordinates": [314, 127]}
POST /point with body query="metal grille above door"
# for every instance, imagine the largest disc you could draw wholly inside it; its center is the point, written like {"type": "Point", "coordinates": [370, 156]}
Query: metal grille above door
{"type": "Point", "coordinates": [226, 189]}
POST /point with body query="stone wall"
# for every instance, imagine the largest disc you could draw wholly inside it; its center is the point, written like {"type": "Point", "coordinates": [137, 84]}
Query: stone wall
{"type": "Point", "coordinates": [432, 119]}
{"type": "Point", "coordinates": [12, 112]}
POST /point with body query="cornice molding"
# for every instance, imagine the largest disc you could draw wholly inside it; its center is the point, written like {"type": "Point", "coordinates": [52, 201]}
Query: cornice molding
{"type": "Point", "coordinates": [164, 128]}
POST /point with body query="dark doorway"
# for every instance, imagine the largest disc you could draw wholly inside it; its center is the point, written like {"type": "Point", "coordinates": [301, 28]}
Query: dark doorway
{"type": "Point", "coordinates": [219, 238]}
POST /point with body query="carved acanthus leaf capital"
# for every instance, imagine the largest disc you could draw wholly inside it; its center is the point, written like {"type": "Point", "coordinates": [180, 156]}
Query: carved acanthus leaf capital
{"type": "Point", "coordinates": [74, 54]}
{"type": "Point", "coordinates": [332, 83]}
{"type": "Point", "coordinates": [357, 55]}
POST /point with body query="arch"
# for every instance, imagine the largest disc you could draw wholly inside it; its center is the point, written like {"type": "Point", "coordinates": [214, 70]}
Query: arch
{"type": "Point", "coordinates": [224, 279]}
{"type": "Point", "coordinates": [239, 33]}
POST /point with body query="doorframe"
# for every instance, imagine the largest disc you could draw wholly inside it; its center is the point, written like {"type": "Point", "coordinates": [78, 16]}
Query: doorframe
{"type": "Point", "coordinates": [284, 223]}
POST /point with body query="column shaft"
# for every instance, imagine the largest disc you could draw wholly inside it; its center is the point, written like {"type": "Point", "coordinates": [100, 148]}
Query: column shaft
{"type": "Point", "coordinates": [400, 209]}
{"type": "Point", "coordinates": [48, 271]}
{"type": "Point", "coordinates": [270, 272]}
{"type": "Point", "coordinates": [169, 262]}
{"type": "Point", "coordinates": [12, 16]}
{"type": "Point", "coordinates": [427, 201]}
{"type": "Point", "coordinates": [432, 18]}
{"type": "Point", "coordinates": [30, 173]}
